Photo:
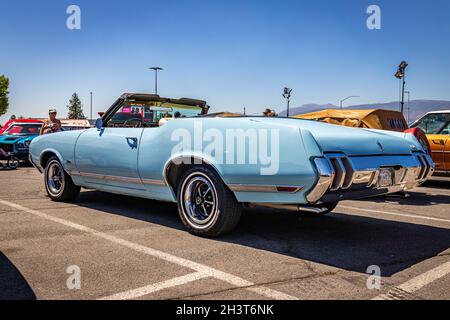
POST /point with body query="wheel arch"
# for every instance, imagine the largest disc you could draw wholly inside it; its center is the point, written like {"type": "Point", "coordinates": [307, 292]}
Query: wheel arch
{"type": "Point", "coordinates": [177, 166]}
{"type": "Point", "coordinates": [47, 154]}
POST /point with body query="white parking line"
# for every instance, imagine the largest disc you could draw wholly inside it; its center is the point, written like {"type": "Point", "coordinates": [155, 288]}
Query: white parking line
{"type": "Point", "coordinates": [416, 283]}
{"type": "Point", "coordinates": [405, 215]}
{"type": "Point", "coordinates": [140, 292]}
{"type": "Point", "coordinates": [203, 269]}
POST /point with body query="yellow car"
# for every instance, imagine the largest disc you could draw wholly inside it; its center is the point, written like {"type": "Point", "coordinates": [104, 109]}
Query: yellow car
{"type": "Point", "coordinates": [436, 126]}
{"type": "Point", "coordinates": [371, 119]}
{"type": "Point", "coordinates": [380, 119]}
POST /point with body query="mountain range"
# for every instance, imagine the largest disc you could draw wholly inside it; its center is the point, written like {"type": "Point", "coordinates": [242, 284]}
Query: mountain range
{"type": "Point", "coordinates": [417, 108]}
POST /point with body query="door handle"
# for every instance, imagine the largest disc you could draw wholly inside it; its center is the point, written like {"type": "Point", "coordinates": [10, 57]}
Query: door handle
{"type": "Point", "coordinates": [132, 142]}
{"type": "Point", "coordinates": [439, 141]}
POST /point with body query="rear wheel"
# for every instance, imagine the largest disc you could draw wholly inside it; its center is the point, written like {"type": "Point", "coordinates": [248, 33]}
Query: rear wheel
{"type": "Point", "coordinates": [58, 183]}
{"type": "Point", "coordinates": [205, 205]}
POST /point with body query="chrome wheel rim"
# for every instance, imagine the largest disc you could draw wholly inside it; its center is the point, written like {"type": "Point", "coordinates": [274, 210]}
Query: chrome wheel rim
{"type": "Point", "coordinates": [199, 200]}
{"type": "Point", "coordinates": [13, 163]}
{"type": "Point", "coordinates": [55, 178]}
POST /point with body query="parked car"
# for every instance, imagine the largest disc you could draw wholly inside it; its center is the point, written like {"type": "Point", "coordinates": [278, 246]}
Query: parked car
{"type": "Point", "coordinates": [9, 122]}
{"type": "Point", "coordinates": [379, 119]}
{"type": "Point", "coordinates": [370, 119]}
{"type": "Point", "coordinates": [15, 141]}
{"type": "Point", "coordinates": [312, 165]}
{"type": "Point", "coordinates": [436, 126]}
{"type": "Point", "coordinates": [74, 124]}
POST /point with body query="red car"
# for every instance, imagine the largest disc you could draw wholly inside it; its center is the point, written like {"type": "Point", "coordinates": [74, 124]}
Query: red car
{"type": "Point", "coordinates": [8, 123]}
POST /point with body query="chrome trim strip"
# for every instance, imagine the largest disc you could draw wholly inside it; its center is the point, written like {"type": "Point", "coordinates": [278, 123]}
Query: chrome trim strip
{"type": "Point", "coordinates": [289, 207]}
{"type": "Point", "coordinates": [154, 182]}
{"type": "Point", "coordinates": [326, 177]}
{"type": "Point", "coordinates": [349, 173]}
{"type": "Point", "coordinates": [422, 168]}
{"type": "Point", "coordinates": [259, 188]}
{"type": "Point", "coordinates": [428, 168]}
{"type": "Point", "coordinates": [441, 173]}
{"type": "Point", "coordinates": [118, 178]}
{"type": "Point", "coordinates": [374, 181]}
{"type": "Point", "coordinates": [105, 177]}
{"type": "Point", "coordinates": [340, 173]}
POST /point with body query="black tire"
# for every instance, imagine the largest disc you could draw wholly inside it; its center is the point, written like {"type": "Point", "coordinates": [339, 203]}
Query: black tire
{"type": "Point", "coordinates": [59, 186]}
{"type": "Point", "coordinates": [211, 214]}
{"type": "Point", "coordinates": [13, 163]}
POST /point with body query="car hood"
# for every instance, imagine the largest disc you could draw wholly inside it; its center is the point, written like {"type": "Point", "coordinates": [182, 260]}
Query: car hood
{"type": "Point", "coordinates": [12, 139]}
{"type": "Point", "coordinates": [351, 141]}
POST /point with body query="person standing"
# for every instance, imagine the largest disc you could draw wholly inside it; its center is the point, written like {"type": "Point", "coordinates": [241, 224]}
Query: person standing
{"type": "Point", "coordinates": [51, 125]}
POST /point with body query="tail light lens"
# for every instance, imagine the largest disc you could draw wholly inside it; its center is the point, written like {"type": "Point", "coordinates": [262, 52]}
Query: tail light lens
{"type": "Point", "coordinates": [421, 137]}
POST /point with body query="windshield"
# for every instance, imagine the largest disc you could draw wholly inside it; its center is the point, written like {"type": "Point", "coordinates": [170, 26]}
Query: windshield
{"type": "Point", "coordinates": [150, 113]}
{"type": "Point", "coordinates": [436, 123]}
{"type": "Point", "coordinates": [24, 129]}
{"type": "Point", "coordinates": [124, 116]}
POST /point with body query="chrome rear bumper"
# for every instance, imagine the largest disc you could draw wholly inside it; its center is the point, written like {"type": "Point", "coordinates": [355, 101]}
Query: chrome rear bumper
{"type": "Point", "coordinates": [340, 174]}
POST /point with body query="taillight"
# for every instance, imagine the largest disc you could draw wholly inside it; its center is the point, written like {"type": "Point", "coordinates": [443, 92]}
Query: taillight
{"type": "Point", "coordinates": [288, 189]}
{"type": "Point", "coordinates": [421, 137]}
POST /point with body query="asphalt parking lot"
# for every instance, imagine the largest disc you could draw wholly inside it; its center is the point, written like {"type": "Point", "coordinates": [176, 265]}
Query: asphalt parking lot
{"type": "Point", "coordinates": [130, 248]}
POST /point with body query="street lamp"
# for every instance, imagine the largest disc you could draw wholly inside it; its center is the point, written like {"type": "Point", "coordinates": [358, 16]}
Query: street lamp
{"type": "Point", "coordinates": [349, 97]}
{"type": "Point", "coordinates": [409, 96]}
{"type": "Point", "coordinates": [91, 107]}
{"type": "Point", "coordinates": [287, 96]}
{"type": "Point", "coordinates": [400, 74]}
{"type": "Point", "coordinates": [156, 69]}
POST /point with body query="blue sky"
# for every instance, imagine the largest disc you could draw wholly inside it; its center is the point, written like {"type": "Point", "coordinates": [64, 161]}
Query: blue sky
{"type": "Point", "coordinates": [230, 53]}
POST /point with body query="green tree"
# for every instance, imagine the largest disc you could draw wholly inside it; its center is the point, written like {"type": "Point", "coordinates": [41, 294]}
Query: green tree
{"type": "Point", "coordinates": [75, 108]}
{"type": "Point", "coordinates": [4, 101]}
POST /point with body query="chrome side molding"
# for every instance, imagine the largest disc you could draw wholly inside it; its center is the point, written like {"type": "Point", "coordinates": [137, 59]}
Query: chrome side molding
{"type": "Point", "coordinates": [290, 207]}
{"type": "Point", "coordinates": [117, 178]}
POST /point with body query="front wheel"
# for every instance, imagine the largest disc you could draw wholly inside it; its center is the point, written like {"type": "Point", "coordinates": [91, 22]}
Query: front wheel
{"type": "Point", "coordinates": [58, 183]}
{"type": "Point", "coordinates": [205, 205]}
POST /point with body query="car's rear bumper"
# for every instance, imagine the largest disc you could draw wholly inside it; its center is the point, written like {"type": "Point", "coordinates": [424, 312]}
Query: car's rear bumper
{"type": "Point", "coordinates": [342, 177]}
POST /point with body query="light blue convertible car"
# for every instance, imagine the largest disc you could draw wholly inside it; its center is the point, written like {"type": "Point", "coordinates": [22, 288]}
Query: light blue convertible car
{"type": "Point", "coordinates": [171, 150]}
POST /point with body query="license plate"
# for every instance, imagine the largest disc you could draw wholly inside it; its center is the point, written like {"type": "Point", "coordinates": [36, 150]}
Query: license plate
{"type": "Point", "coordinates": [385, 178]}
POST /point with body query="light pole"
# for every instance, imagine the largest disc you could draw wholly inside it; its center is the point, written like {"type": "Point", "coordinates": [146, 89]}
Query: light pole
{"type": "Point", "coordinates": [400, 74]}
{"type": "Point", "coordinates": [349, 97]}
{"type": "Point", "coordinates": [156, 69]}
{"type": "Point", "coordinates": [91, 105]}
{"type": "Point", "coordinates": [287, 96]}
{"type": "Point", "coordinates": [409, 96]}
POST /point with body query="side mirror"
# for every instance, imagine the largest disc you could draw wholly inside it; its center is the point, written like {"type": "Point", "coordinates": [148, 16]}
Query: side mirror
{"type": "Point", "coordinates": [99, 123]}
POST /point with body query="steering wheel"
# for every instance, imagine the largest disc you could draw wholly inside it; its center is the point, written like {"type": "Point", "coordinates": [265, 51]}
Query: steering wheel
{"type": "Point", "coordinates": [138, 123]}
